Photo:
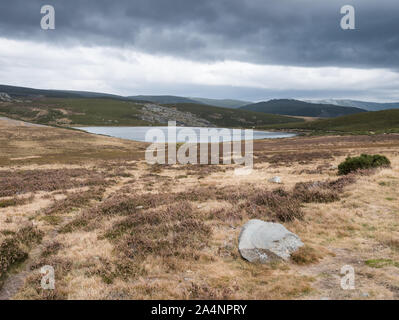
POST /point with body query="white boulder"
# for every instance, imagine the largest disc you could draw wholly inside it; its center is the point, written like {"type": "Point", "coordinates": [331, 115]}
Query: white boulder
{"type": "Point", "coordinates": [275, 180]}
{"type": "Point", "coordinates": [263, 242]}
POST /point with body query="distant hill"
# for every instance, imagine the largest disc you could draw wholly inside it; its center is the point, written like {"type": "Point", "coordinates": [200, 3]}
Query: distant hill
{"type": "Point", "coordinates": [23, 92]}
{"type": "Point", "coordinates": [385, 121]}
{"type": "Point", "coordinates": [227, 117]}
{"type": "Point", "coordinates": [370, 106]}
{"type": "Point", "coordinates": [224, 103]}
{"type": "Point", "coordinates": [162, 99]}
{"type": "Point", "coordinates": [115, 112]}
{"type": "Point", "coordinates": [301, 108]}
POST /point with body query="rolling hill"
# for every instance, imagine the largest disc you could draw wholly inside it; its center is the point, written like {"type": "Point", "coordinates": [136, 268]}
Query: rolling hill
{"type": "Point", "coordinates": [227, 117]}
{"type": "Point", "coordinates": [300, 108]}
{"type": "Point", "coordinates": [366, 105]}
{"type": "Point", "coordinates": [162, 99]}
{"type": "Point", "coordinates": [224, 103]}
{"type": "Point", "coordinates": [385, 121]}
{"type": "Point", "coordinates": [116, 112]}
{"type": "Point", "coordinates": [23, 92]}
{"type": "Point", "coordinates": [31, 93]}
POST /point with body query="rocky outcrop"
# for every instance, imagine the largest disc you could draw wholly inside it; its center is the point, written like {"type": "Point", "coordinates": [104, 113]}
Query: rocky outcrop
{"type": "Point", "coordinates": [158, 114]}
{"type": "Point", "coordinates": [5, 97]}
{"type": "Point", "coordinates": [264, 242]}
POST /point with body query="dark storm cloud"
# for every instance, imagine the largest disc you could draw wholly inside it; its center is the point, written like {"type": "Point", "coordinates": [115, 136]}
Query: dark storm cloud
{"type": "Point", "coordinates": [287, 32]}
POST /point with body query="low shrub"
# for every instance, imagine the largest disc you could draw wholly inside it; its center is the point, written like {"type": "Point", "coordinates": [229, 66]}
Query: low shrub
{"type": "Point", "coordinates": [8, 203]}
{"type": "Point", "coordinates": [321, 191]}
{"type": "Point", "coordinates": [277, 205]}
{"type": "Point", "coordinates": [51, 249]}
{"type": "Point", "coordinates": [365, 161]}
{"type": "Point", "coordinates": [62, 267]}
{"type": "Point", "coordinates": [10, 253]}
{"type": "Point", "coordinates": [15, 201]}
{"type": "Point", "coordinates": [12, 248]}
{"type": "Point", "coordinates": [75, 200]}
{"type": "Point", "coordinates": [23, 181]}
{"type": "Point", "coordinates": [76, 224]}
{"type": "Point", "coordinates": [314, 192]}
{"type": "Point", "coordinates": [175, 231]}
{"type": "Point", "coordinates": [29, 235]}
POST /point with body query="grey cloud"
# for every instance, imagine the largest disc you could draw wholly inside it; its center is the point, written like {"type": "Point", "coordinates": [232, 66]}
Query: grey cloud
{"type": "Point", "coordinates": [287, 32]}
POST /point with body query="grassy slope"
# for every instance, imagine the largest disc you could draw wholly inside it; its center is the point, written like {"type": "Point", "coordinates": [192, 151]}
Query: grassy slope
{"type": "Point", "coordinates": [386, 121]}
{"type": "Point", "coordinates": [300, 108]}
{"type": "Point", "coordinates": [226, 117]}
{"type": "Point", "coordinates": [30, 92]}
{"type": "Point", "coordinates": [79, 111]}
{"type": "Point", "coordinates": [101, 112]}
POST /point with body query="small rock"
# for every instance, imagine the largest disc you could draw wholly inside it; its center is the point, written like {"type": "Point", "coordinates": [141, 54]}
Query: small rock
{"type": "Point", "coordinates": [263, 242]}
{"type": "Point", "coordinates": [275, 179]}
{"type": "Point", "coordinates": [139, 207]}
{"type": "Point", "coordinates": [365, 294]}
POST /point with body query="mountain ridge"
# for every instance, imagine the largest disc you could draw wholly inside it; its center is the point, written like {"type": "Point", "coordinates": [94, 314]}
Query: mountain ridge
{"type": "Point", "coordinates": [367, 105]}
{"type": "Point", "coordinates": [28, 92]}
{"type": "Point", "coordinates": [292, 107]}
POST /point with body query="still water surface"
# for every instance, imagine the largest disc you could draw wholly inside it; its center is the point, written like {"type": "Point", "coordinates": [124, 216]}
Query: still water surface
{"type": "Point", "coordinates": [139, 133]}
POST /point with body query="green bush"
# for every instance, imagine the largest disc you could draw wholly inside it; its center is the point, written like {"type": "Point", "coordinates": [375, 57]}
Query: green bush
{"type": "Point", "coordinates": [365, 161]}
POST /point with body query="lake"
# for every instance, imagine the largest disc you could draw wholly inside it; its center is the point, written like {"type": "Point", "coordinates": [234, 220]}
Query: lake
{"type": "Point", "coordinates": [181, 135]}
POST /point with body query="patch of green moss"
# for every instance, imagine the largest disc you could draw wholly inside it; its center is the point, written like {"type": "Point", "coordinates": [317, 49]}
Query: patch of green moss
{"type": "Point", "coordinates": [380, 263]}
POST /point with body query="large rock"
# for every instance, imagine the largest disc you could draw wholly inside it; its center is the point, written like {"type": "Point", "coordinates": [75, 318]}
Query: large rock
{"type": "Point", "coordinates": [276, 179]}
{"type": "Point", "coordinates": [263, 242]}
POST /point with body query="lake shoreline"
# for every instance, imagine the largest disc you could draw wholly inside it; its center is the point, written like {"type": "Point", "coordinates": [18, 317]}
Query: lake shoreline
{"type": "Point", "coordinates": [182, 134]}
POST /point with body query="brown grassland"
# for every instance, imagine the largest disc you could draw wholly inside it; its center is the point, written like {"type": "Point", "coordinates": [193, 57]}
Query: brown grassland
{"type": "Point", "coordinates": [114, 227]}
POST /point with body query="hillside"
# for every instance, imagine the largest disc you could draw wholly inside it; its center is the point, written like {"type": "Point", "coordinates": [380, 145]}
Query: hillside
{"type": "Point", "coordinates": [23, 92]}
{"type": "Point", "coordinates": [103, 112]}
{"type": "Point", "coordinates": [224, 103]}
{"type": "Point", "coordinates": [71, 111]}
{"type": "Point", "coordinates": [227, 117]}
{"type": "Point", "coordinates": [301, 108]}
{"type": "Point", "coordinates": [162, 99]}
{"type": "Point", "coordinates": [386, 121]}
{"type": "Point", "coordinates": [366, 105]}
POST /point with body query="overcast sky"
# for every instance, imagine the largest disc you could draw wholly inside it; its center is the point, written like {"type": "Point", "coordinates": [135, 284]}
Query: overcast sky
{"type": "Point", "coordinates": [243, 49]}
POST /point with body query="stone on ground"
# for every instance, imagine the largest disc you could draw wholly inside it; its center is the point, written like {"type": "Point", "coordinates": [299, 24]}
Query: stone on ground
{"type": "Point", "coordinates": [264, 242]}
{"type": "Point", "coordinates": [275, 179]}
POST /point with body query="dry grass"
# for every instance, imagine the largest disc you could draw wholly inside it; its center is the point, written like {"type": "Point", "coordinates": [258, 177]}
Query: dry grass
{"type": "Point", "coordinates": [306, 255]}
{"type": "Point", "coordinates": [115, 228]}
{"type": "Point", "coordinates": [15, 247]}
{"type": "Point", "coordinates": [24, 181]}
{"type": "Point", "coordinates": [75, 200]}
